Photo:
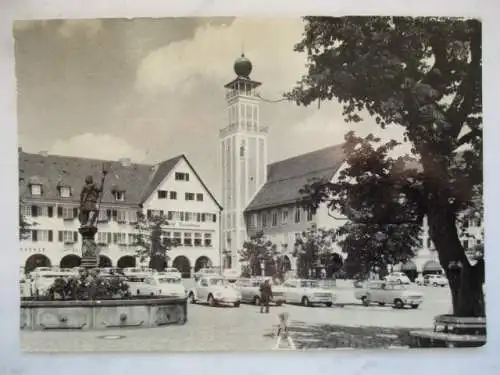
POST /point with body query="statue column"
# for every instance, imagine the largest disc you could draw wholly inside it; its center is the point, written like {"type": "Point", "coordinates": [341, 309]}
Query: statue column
{"type": "Point", "coordinates": [90, 250]}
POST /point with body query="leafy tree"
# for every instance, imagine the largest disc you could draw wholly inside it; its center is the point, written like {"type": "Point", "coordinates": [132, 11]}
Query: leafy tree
{"type": "Point", "coordinates": [150, 242]}
{"type": "Point", "coordinates": [312, 248]}
{"type": "Point", "coordinates": [423, 74]}
{"type": "Point", "coordinates": [258, 250]}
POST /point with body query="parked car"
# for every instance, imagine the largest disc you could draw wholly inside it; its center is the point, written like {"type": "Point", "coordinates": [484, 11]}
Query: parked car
{"type": "Point", "coordinates": [250, 291]}
{"type": "Point", "coordinates": [43, 280]}
{"type": "Point", "coordinates": [171, 271]}
{"type": "Point", "coordinates": [25, 286]}
{"type": "Point", "coordinates": [434, 280]}
{"type": "Point", "coordinates": [160, 285]}
{"type": "Point", "coordinates": [398, 277]}
{"type": "Point", "coordinates": [307, 293]}
{"type": "Point", "coordinates": [383, 293]}
{"type": "Point", "coordinates": [359, 283]}
{"type": "Point", "coordinates": [205, 272]}
{"type": "Point", "coordinates": [214, 290]}
{"type": "Point", "coordinates": [231, 275]}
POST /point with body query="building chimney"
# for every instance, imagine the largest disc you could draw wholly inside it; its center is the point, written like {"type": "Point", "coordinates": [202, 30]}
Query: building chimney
{"type": "Point", "coordinates": [125, 162]}
{"type": "Point", "coordinates": [44, 153]}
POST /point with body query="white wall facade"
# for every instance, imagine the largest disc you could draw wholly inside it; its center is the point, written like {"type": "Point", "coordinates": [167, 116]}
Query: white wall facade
{"type": "Point", "coordinates": [200, 221]}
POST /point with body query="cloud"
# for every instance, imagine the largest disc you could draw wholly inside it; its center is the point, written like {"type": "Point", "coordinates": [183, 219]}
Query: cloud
{"type": "Point", "coordinates": [70, 28]}
{"type": "Point", "coordinates": [98, 146]}
{"type": "Point", "coordinates": [268, 43]}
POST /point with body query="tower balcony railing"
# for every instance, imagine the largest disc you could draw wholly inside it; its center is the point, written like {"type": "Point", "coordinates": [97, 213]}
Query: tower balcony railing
{"type": "Point", "coordinates": [234, 128]}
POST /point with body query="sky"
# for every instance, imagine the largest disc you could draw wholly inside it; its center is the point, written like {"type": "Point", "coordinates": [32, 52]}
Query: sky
{"type": "Point", "coordinates": [150, 89]}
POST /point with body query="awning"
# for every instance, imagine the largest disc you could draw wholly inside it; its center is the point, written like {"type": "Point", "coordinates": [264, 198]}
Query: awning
{"type": "Point", "coordinates": [431, 265]}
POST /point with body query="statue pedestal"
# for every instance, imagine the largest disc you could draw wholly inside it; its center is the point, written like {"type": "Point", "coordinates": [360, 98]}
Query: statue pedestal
{"type": "Point", "coordinates": [90, 251]}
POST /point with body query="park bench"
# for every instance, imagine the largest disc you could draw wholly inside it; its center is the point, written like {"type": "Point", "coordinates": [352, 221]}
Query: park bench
{"type": "Point", "coordinates": [451, 332]}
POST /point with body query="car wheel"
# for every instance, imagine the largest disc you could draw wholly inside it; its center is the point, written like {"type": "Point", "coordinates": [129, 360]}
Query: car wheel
{"type": "Point", "coordinates": [414, 306]}
{"type": "Point", "coordinates": [365, 301]}
{"type": "Point", "coordinates": [191, 298]}
{"type": "Point", "coordinates": [236, 304]}
{"type": "Point", "coordinates": [398, 304]}
{"type": "Point", "coordinates": [305, 302]}
{"type": "Point", "coordinates": [329, 304]}
{"type": "Point", "coordinates": [151, 294]}
{"type": "Point", "coordinates": [400, 282]}
{"type": "Point", "coordinates": [279, 303]}
{"type": "Point", "coordinates": [211, 300]}
{"type": "Point", "coordinates": [381, 303]}
{"type": "Point", "coordinates": [256, 301]}
{"type": "Point", "coordinates": [434, 284]}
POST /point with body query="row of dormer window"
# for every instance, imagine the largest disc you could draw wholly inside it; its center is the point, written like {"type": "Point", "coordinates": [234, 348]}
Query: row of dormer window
{"type": "Point", "coordinates": [36, 190]}
{"type": "Point", "coordinates": [275, 218]}
{"type": "Point", "coordinates": [164, 194]}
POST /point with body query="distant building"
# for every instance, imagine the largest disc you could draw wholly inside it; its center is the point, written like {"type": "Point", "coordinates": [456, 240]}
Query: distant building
{"type": "Point", "coordinates": [50, 188]}
{"type": "Point", "coordinates": [258, 196]}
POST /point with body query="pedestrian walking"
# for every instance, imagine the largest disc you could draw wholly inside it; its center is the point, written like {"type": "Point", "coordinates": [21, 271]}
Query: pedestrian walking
{"type": "Point", "coordinates": [266, 293]}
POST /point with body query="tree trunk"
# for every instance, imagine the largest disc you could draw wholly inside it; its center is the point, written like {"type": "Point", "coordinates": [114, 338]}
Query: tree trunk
{"type": "Point", "coordinates": [465, 281]}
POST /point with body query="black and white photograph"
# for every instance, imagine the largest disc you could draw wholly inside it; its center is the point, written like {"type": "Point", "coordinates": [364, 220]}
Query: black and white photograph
{"type": "Point", "coordinates": [208, 184]}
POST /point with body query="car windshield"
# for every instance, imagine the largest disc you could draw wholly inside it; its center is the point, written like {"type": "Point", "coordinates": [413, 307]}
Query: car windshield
{"type": "Point", "coordinates": [218, 282]}
{"type": "Point", "coordinates": [169, 280]}
{"type": "Point", "coordinates": [309, 284]}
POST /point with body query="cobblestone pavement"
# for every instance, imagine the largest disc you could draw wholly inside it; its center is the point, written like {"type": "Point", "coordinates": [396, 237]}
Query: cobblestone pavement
{"type": "Point", "coordinates": [245, 329]}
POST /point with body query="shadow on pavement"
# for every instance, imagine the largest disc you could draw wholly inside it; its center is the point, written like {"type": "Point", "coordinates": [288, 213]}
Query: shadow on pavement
{"type": "Point", "coordinates": [327, 336]}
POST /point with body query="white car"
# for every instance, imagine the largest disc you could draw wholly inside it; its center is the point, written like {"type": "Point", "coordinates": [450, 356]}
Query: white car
{"type": "Point", "coordinates": [25, 285]}
{"type": "Point", "coordinates": [214, 290]}
{"type": "Point", "coordinates": [205, 272]}
{"type": "Point", "coordinates": [307, 293]}
{"type": "Point", "coordinates": [250, 291]}
{"type": "Point", "coordinates": [171, 271]}
{"type": "Point", "coordinates": [160, 285]}
{"type": "Point", "coordinates": [383, 293]}
{"type": "Point", "coordinates": [398, 277]}
{"type": "Point", "coordinates": [434, 280]}
{"type": "Point", "coordinates": [43, 280]}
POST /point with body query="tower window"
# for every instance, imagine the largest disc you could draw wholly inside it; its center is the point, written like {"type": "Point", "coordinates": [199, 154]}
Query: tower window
{"type": "Point", "coordinates": [242, 149]}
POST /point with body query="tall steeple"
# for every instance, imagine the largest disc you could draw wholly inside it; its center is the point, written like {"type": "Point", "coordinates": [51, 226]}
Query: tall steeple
{"type": "Point", "coordinates": [243, 153]}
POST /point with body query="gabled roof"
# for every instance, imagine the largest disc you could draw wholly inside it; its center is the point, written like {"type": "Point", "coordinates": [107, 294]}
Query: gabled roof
{"type": "Point", "coordinates": [138, 180]}
{"type": "Point", "coordinates": [50, 170]}
{"type": "Point", "coordinates": [285, 178]}
{"type": "Point", "coordinates": [163, 169]}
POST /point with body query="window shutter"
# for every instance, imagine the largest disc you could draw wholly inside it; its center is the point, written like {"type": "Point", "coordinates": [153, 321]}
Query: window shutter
{"type": "Point", "coordinates": [59, 211]}
{"type": "Point", "coordinates": [109, 238]}
{"type": "Point", "coordinates": [149, 214]}
{"type": "Point", "coordinates": [162, 213]}
{"type": "Point", "coordinates": [51, 236]}
{"type": "Point", "coordinates": [60, 234]}
{"type": "Point", "coordinates": [187, 176]}
{"type": "Point", "coordinates": [115, 237]}
{"type": "Point", "coordinates": [34, 211]}
{"type": "Point", "coordinates": [108, 214]}
{"type": "Point", "coordinates": [203, 217]}
{"type": "Point", "coordinates": [50, 211]}
{"type": "Point", "coordinates": [34, 235]}
{"type": "Point", "coordinates": [75, 212]}
{"type": "Point", "coordinates": [115, 214]}
{"type": "Point", "coordinates": [75, 236]}
{"type": "Point", "coordinates": [214, 218]}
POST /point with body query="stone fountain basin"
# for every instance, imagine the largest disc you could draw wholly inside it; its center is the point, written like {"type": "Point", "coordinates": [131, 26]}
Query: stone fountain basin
{"type": "Point", "coordinates": [103, 314]}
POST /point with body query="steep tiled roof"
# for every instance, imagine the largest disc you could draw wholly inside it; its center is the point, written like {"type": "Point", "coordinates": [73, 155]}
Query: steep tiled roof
{"type": "Point", "coordinates": [285, 178]}
{"type": "Point", "coordinates": [52, 171]}
{"type": "Point", "coordinates": [160, 171]}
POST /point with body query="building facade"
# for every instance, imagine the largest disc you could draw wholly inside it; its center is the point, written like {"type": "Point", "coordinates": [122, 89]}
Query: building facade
{"type": "Point", "coordinates": [262, 197]}
{"type": "Point", "coordinates": [50, 188]}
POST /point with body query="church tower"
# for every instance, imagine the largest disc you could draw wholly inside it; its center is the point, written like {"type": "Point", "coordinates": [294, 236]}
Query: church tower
{"type": "Point", "coordinates": [243, 153]}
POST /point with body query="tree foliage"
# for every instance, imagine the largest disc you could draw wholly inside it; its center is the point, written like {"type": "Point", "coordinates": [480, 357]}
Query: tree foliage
{"type": "Point", "coordinates": [423, 74]}
{"type": "Point", "coordinates": [313, 249]}
{"type": "Point", "coordinates": [150, 241]}
{"type": "Point", "coordinates": [259, 249]}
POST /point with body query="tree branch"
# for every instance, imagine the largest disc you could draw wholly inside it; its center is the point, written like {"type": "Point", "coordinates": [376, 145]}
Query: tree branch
{"type": "Point", "coordinates": [469, 137]}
